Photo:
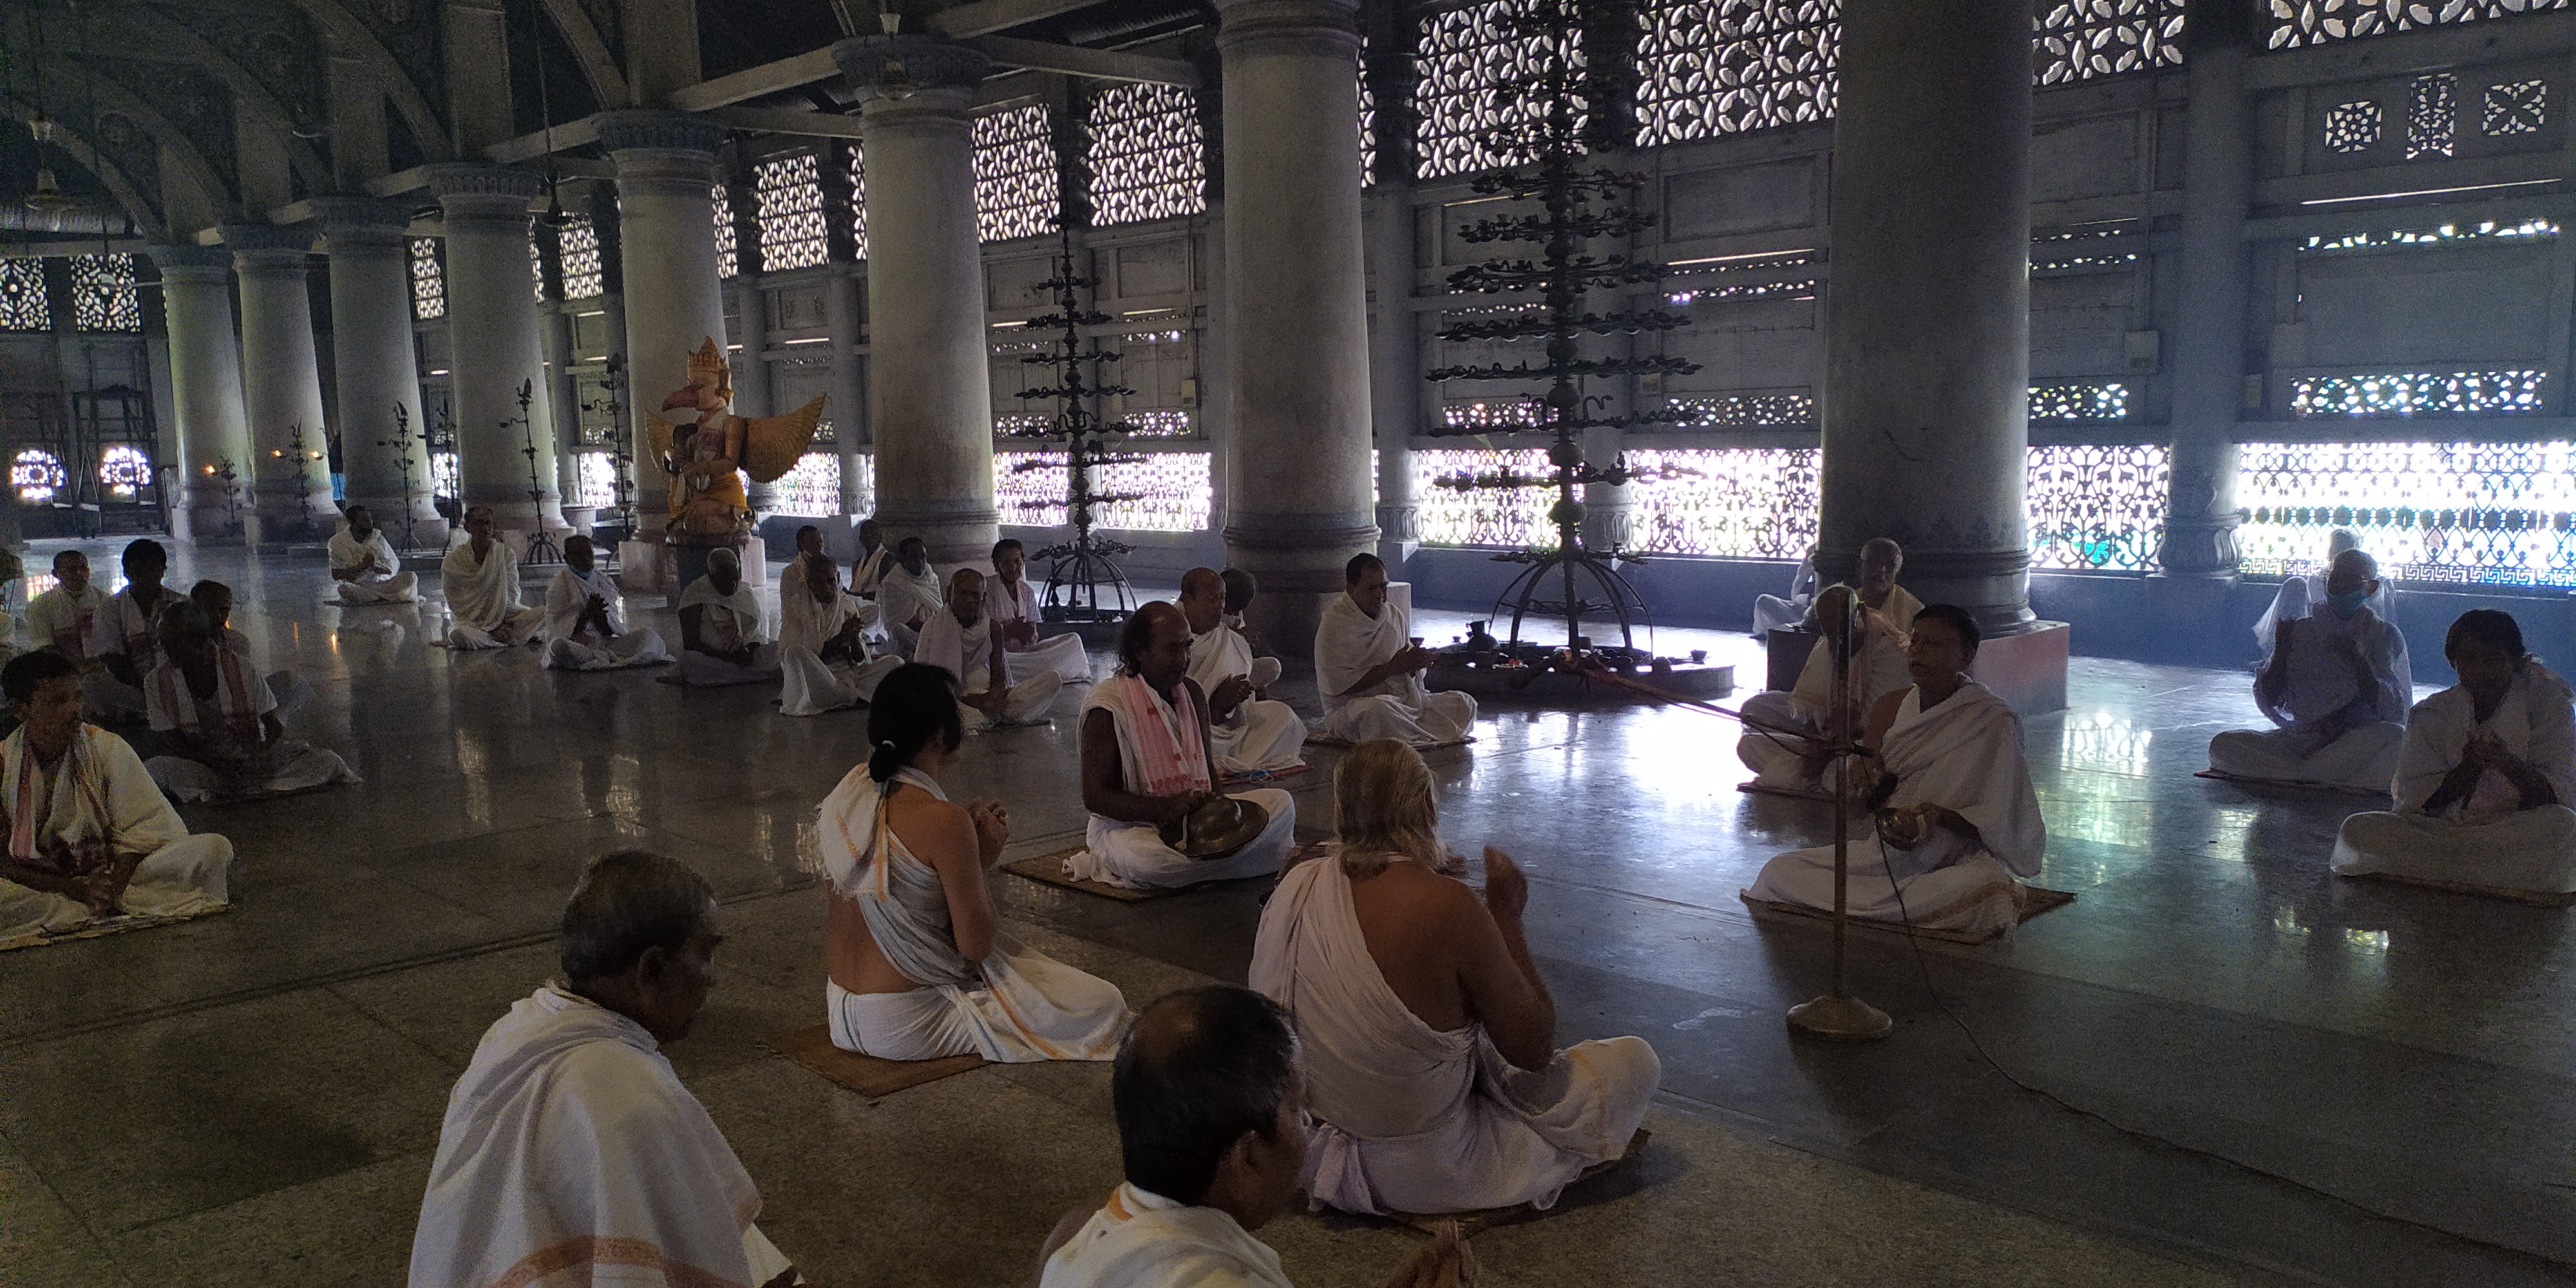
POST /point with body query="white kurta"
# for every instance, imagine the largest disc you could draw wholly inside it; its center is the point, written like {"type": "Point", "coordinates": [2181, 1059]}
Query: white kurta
{"type": "Point", "coordinates": [1259, 734]}
{"type": "Point", "coordinates": [483, 597]}
{"type": "Point", "coordinates": [1964, 755]}
{"type": "Point", "coordinates": [1017, 1006]}
{"type": "Point", "coordinates": [808, 685]}
{"type": "Point", "coordinates": [572, 1154]}
{"type": "Point", "coordinates": [61, 619]}
{"type": "Point", "coordinates": [100, 791]}
{"type": "Point", "coordinates": [1139, 1239]}
{"type": "Point", "coordinates": [587, 649]}
{"type": "Point", "coordinates": [233, 763]}
{"type": "Point", "coordinates": [2487, 839]}
{"type": "Point", "coordinates": [967, 653]}
{"type": "Point", "coordinates": [2320, 683]}
{"type": "Point", "coordinates": [1347, 643]}
{"type": "Point", "coordinates": [726, 623]}
{"type": "Point", "coordinates": [1414, 1119]}
{"type": "Point", "coordinates": [1878, 669]}
{"type": "Point", "coordinates": [1062, 654]}
{"type": "Point", "coordinates": [1133, 855]}
{"type": "Point", "coordinates": [386, 584]}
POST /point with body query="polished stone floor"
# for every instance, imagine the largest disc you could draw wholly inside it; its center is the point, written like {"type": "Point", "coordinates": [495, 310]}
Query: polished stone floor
{"type": "Point", "coordinates": [2220, 1064]}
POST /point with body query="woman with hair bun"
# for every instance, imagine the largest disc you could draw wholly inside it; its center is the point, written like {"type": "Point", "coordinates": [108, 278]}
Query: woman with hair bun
{"type": "Point", "coordinates": [918, 964]}
{"type": "Point", "coordinates": [2486, 776]}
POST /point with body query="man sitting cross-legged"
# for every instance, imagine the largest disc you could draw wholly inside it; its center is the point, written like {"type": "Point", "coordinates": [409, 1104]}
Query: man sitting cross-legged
{"type": "Point", "coordinates": [962, 640]}
{"type": "Point", "coordinates": [220, 715]}
{"type": "Point", "coordinates": [90, 835]}
{"type": "Point", "coordinates": [1013, 606]}
{"type": "Point", "coordinates": [480, 578]}
{"type": "Point", "coordinates": [585, 626]}
{"type": "Point", "coordinates": [61, 619]}
{"type": "Point", "coordinates": [1960, 821]}
{"type": "Point", "coordinates": [1212, 1134]}
{"type": "Point", "coordinates": [2338, 683]}
{"type": "Point", "coordinates": [1248, 732]}
{"type": "Point", "coordinates": [1427, 1036]}
{"type": "Point", "coordinates": [1146, 763]}
{"type": "Point", "coordinates": [910, 594]}
{"type": "Point", "coordinates": [2486, 778]}
{"type": "Point", "coordinates": [720, 637]}
{"type": "Point", "coordinates": [571, 1153]}
{"type": "Point", "coordinates": [364, 564]}
{"type": "Point", "coordinates": [1369, 673]}
{"type": "Point", "coordinates": [126, 638]}
{"type": "Point", "coordinates": [822, 641]}
{"type": "Point", "coordinates": [917, 964]}
{"type": "Point", "coordinates": [1788, 762]}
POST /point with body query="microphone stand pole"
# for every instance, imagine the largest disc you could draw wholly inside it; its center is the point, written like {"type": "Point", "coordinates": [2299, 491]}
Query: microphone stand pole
{"type": "Point", "coordinates": [1838, 1016]}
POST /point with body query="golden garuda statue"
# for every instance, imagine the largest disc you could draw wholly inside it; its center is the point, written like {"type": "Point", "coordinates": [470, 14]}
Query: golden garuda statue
{"type": "Point", "coordinates": [707, 460]}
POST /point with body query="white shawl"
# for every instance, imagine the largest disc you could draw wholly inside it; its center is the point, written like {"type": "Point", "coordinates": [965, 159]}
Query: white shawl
{"type": "Point", "coordinates": [570, 592]}
{"type": "Point", "coordinates": [1017, 603]}
{"type": "Point", "coordinates": [101, 792]}
{"type": "Point", "coordinates": [571, 1154]}
{"type": "Point", "coordinates": [1139, 1239]}
{"type": "Point", "coordinates": [905, 594]}
{"type": "Point", "coordinates": [1218, 654]}
{"type": "Point", "coordinates": [1965, 756]}
{"type": "Point", "coordinates": [1878, 665]}
{"type": "Point", "coordinates": [2534, 722]}
{"type": "Point", "coordinates": [481, 593]}
{"type": "Point", "coordinates": [1348, 642]}
{"type": "Point", "coordinates": [730, 621]}
{"type": "Point", "coordinates": [2320, 683]}
{"type": "Point", "coordinates": [967, 651]}
{"type": "Point", "coordinates": [869, 571]}
{"type": "Point", "coordinates": [349, 552]}
{"type": "Point", "coordinates": [805, 622]}
{"type": "Point", "coordinates": [63, 620]}
{"type": "Point", "coordinates": [230, 719]}
{"type": "Point", "coordinates": [123, 627]}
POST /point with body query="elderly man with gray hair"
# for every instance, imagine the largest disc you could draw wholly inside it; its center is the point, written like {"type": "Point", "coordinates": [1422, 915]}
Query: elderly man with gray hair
{"type": "Point", "coordinates": [721, 641]}
{"type": "Point", "coordinates": [2338, 684]}
{"type": "Point", "coordinates": [571, 1153]}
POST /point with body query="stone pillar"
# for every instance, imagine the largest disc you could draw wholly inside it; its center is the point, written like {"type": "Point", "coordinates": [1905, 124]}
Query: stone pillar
{"type": "Point", "coordinates": [2209, 335]}
{"type": "Point", "coordinates": [667, 248]}
{"type": "Point", "coordinates": [281, 383]}
{"type": "Point", "coordinates": [1395, 372]}
{"type": "Point", "coordinates": [612, 304]}
{"type": "Point", "coordinates": [562, 421]}
{"type": "Point", "coordinates": [375, 364]}
{"type": "Point", "coordinates": [1927, 348]}
{"type": "Point", "coordinates": [493, 347]}
{"type": "Point", "coordinates": [843, 320]}
{"type": "Point", "coordinates": [205, 385]}
{"type": "Point", "coordinates": [930, 396]}
{"type": "Point", "coordinates": [1297, 306]}
{"type": "Point", "coordinates": [750, 333]}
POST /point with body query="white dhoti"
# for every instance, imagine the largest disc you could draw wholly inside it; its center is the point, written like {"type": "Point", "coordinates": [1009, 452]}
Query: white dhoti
{"type": "Point", "coordinates": [400, 588]}
{"type": "Point", "coordinates": [1023, 703]}
{"type": "Point", "coordinates": [575, 640]}
{"type": "Point", "coordinates": [183, 878]}
{"type": "Point", "coordinates": [2532, 849]}
{"type": "Point", "coordinates": [642, 646]}
{"type": "Point", "coordinates": [1061, 655]}
{"type": "Point", "coordinates": [1430, 718]}
{"type": "Point", "coordinates": [1777, 760]}
{"type": "Point", "coordinates": [1258, 735]}
{"type": "Point", "coordinates": [2485, 838]}
{"type": "Point", "coordinates": [809, 686]}
{"type": "Point", "coordinates": [2364, 759]}
{"type": "Point", "coordinates": [236, 762]}
{"type": "Point", "coordinates": [377, 571]}
{"type": "Point", "coordinates": [289, 766]}
{"type": "Point", "coordinates": [483, 597]}
{"type": "Point", "coordinates": [1348, 643]}
{"type": "Point", "coordinates": [707, 671]}
{"type": "Point", "coordinates": [100, 791]}
{"type": "Point", "coordinates": [1133, 854]}
{"type": "Point", "coordinates": [517, 628]}
{"type": "Point", "coordinates": [1771, 613]}
{"type": "Point", "coordinates": [1975, 894]}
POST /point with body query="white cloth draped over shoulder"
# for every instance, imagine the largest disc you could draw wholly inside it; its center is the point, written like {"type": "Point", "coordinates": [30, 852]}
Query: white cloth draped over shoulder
{"type": "Point", "coordinates": [726, 622]}
{"type": "Point", "coordinates": [1259, 734]}
{"type": "Point", "coordinates": [1017, 1006]}
{"type": "Point", "coordinates": [124, 625]}
{"type": "Point", "coordinates": [1878, 669]}
{"type": "Point", "coordinates": [483, 597]}
{"type": "Point", "coordinates": [384, 583]}
{"type": "Point", "coordinates": [2320, 682]}
{"type": "Point", "coordinates": [573, 647]}
{"type": "Point", "coordinates": [1139, 1239]}
{"type": "Point", "coordinates": [61, 619]}
{"type": "Point", "coordinates": [571, 1154]}
{"type": "Point", "coordinates": [1413, 1119]}
{"type": "Point", "coordinates": [904, 594]}
{"type": "Point", "coordinates": [810, 686]}
{"type": "Point", "coordinates": [967, 653]}
{"type": "Point", "coordinates": [1771, 612]}
{"type": "Point", "coordinates": [1964, 755]}
{"type": "Point", "coordinates": [231, 759]}
{"type": "Point", "coordinates": [2487, 839]}
{"type": "Point", "coordinates": [100, 792]}
{"type": "Point", "coordinates": [1159, 754]}
{"type": "Point", "coordinates": [1347, 643]}
{"type": "Point", "coordinates": [1062, 654]}
{"type": "Point", "coordinates": [2300, 594]}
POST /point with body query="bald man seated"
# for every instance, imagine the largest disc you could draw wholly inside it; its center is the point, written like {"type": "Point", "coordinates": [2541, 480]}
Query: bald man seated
{"type": "Point", "coordinates": [2338, 685]}
{"type": "Point", "coordinates": [1147, 762]}
{"type": "Point", "coordinates": [1249, 733]}
{"type": "Point", "coordinates": [961, 639]}
{"type": "Point", "coordinates": [1785, 762]}
{"type": "Point", "coordinates": [1369, 671]}
{"type": "Point", "coordinates": [480, 579]}
{"type": "Point", "coordinates": [585, 626]}
{"type": "Point", "coordinates": [1012, 604]}
{"type": "Point", "coordinates": [721, 641]}
{"type": "Point", "coordinates": [823, 651]}
{"type": "Point", "coordinates": [364, 565]}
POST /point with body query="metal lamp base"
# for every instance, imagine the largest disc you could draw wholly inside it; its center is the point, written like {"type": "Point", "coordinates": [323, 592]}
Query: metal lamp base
{"type": "Point", "coordinates": [1840, 1019]}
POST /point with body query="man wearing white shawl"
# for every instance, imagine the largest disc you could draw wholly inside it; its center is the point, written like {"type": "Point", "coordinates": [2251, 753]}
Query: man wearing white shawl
{"type": "Point", "coordinates": [1369, 672]}
{"type": "Point", "coordinates": [1961, 825]}
{"type": "Point", "coordinates": [916, 964]}
{"type": "Point", "coordinates": [1210, 1130]}
{"type": "Point", "coordinates": [571, 1154]}
{"type": "Point", "coordinates": [62, 618]}
{"type": "Point", "coordinates": [2486, 778]}
{"type": "Point", "coordinates": [962, 640]}
{"type": "Point", "coordinates": [480, 578]}
{"type": "Point", "coordinates": [1771, 612]}
{"type": "Point", "coordinates": [2338, 683]}
{"type": "Point", "coordinates": [1011, 604]}
{"type": "Point", "coordinates": [721, 641]}
{"type": "Point", "coordinates": [222, 719]}
{"type": "Point", "coordinates": [585, 628]}
{"type": "Point", "coordinates": [1432, 1073]}
{"type": "Point", "coordinates": [1787, 763]}
{"type": "Point", "coordinates": [126, 638]}
{"type": "Point", "coordinates": [2302, 593]}
{"type": "Point", "coordinates": [822, 643]}
{"type": "Point", "coordinates": [364, 564]}
{"type": "Point", "coordinates": [1146, 762]}
{"type": "Point", "coordinates": [868, 569]}
{"type": "Point", "coordinates": [1248, 733]}
{"type": "Point", "coordinates": [90, 836]}
{"type": "Point", "coordinates": [910, 594]}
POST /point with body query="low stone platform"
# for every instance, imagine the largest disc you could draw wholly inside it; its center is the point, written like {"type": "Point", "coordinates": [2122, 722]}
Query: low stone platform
{"type": "Point", "coordinates": [1564, 687]}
